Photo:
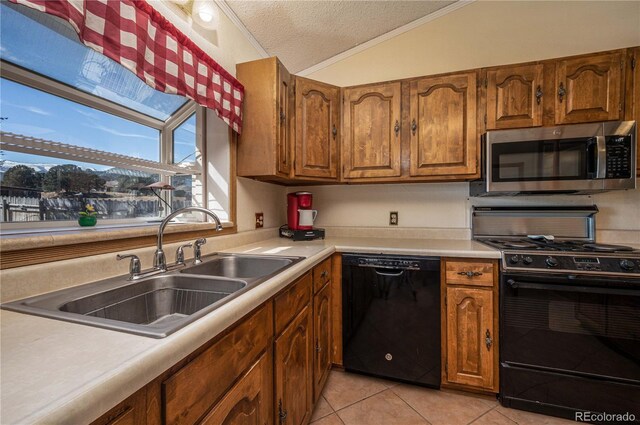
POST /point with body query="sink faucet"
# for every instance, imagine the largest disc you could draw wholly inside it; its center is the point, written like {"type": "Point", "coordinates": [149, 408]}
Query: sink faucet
{"type": "Point", "coordinates": [159, 259]}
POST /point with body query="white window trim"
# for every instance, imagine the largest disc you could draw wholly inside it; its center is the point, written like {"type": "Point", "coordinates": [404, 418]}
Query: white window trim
{"type": "Point", "coordinates": [45, 84]}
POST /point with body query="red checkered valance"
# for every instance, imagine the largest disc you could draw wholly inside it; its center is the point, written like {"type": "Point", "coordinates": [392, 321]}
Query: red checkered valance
{"type": "Point", "coordinates": [135, 35]}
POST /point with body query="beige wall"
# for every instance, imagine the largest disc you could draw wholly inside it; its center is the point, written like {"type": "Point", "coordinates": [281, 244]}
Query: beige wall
{"type": "Point", "coordinates": [228, 46]}
{"type": "Point", "coordinates": [488, 33]}
{"type": "Point", "coordinates": [481, 34]}
{"type": "Point", "coordinates": [448, 206]}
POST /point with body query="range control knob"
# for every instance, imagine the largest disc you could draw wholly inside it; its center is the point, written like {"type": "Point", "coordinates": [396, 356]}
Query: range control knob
{"type": "Point", "coordinates": [551, 262]}
{"type": "Point", "coordinates": [627, 265]}
{"type": "Point", "coordinates": [514, 259]}
{"type": "Point", "coordinates": [527, 260]}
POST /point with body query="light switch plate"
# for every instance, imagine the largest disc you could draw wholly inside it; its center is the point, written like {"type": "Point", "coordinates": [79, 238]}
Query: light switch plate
{"type": "Point", "coordinates": [393, 218]}
{"type": "Point", "coordinates": [259, 220]}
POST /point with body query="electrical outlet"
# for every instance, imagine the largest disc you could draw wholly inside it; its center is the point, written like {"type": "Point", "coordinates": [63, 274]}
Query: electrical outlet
{"type": "Point", "coordinates": [259, 220]}
{"type": "Point", "coordinates": [393, 218]}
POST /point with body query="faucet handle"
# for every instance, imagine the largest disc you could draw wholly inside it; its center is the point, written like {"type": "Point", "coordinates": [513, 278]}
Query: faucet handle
{"type": "Point", "coordinates": [197, 251]}
{"type": "Point", "coordinates": [134, 265]}
{"type": "Point", "coordinates": [180, 252]}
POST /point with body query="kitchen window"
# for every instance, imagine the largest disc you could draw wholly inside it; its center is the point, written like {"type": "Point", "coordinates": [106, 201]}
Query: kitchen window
{"type": "Point", "coordinates": [78, 128]}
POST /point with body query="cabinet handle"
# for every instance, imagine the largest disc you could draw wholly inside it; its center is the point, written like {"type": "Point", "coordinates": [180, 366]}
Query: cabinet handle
{"type": "Point", "coordinates": [538, 95]}
{"type": "Point", "coordinates": [318, 348]}
{"type": "Point", "coordinates": [470, 274]}
{"type": "Point", "coordinates": [487, 339]}
{"type": "Point", "coordinates": [396, 128]}
{"type": "Point", "coordinates": [282, 116]}
{"type": "Point", "coordinates": [561, 92]}
{"type": "Point", "coordinates": [414, 126]}
{"type": "Point", "coordinates": [334, 131]}
{"type": "Point", "coordinates": [282, 414]}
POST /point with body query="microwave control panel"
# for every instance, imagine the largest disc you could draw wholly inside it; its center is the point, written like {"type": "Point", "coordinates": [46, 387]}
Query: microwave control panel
{"type": "Point", "coordinates": [619, 155]}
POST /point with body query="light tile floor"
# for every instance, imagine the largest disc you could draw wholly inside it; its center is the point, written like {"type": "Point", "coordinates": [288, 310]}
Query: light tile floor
{"type": "Point", "coordinates": [351, 399]}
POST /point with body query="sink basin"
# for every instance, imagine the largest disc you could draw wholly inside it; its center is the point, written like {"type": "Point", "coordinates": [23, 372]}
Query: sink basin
{"type": "Point", "coordinates": [240, 266]}
{"type": "Point", "coordinates": [154, 307]}
{"type": "Point", "coordinates": [160, 305]}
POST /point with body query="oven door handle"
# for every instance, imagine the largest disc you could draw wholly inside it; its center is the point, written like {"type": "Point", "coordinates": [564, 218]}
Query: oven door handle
{"type": "Point", "coordinates": [571, 288]}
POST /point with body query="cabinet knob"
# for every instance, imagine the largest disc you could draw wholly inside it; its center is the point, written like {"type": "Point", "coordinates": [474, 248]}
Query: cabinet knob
{"type": "Point", "coordinates": [538, 95]}
{"type": "Point", "coordinates": [470, 274]}
{"type": "Point", "coordinates": [396, 128]}
{"type": "Point", "coordinates": [334, 131]}
{"type": "Point", "coordinates": [488, 340]}
{"type": "Point", "coordinates": [283, 117]}
{"type": "Point", "coordinates": [414, 126]}
{"type": "Point", "coordinates": [282, 414]}
{"type": "Point", "coordinates": [561, 92]}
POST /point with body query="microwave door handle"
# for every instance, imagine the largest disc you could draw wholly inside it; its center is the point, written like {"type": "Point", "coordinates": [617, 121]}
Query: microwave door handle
{"type": "Point", "coordinates": [601, 165]}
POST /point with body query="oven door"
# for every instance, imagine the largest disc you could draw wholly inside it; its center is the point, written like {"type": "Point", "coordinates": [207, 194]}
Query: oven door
{"type": "Point", "coordinates": [580, 325]}
{"type": "Point", "coordinates": [547, 165]}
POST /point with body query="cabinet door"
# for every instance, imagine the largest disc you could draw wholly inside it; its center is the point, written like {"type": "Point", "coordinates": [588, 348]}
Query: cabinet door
{"type": "Point", "coordinates": [514, 97]}
{"type": "Point", "coordinates": [249, 401]}
{"type": "Point", "coordinates": [316, 134]}
{"type": "Point", "coordinates": [283, 110]}
{"type": "Point", "coordinates": [322, 333]}
{"type": "Point", "coordinates": [443, 125]}
{"type": "Point", "coordinates": [293, 371]}
{"type": "Point", "coordinates": [371, 135]}
{"type": "Point", "coordinates": [589, 89]}
{"type": "Point", "coordinates": [470, 333]}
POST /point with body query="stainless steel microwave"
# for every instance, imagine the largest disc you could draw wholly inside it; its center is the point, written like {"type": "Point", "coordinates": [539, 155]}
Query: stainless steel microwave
{"type": "Point", "coordinates": [570, 159]}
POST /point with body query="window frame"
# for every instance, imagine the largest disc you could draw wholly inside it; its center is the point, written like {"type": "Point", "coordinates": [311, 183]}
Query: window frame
{"type": "Point", "coordinates": [48, 85]}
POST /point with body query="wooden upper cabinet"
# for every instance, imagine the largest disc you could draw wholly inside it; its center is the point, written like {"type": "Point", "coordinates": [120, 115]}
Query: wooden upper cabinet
{"type": "Point", "coordinates": [317, 122]}
{"type": "Point", "coordinates": [514, 97]}
{"type": "Point", "coordinates": [443, 125]}
{"type": "Point", "coordinates": [284, 110]}
{"type": "Point", "coordinates": [371, 134]}
{"type": "Point", "coordinates": [589, 88]}
{"type": "Point", "coordinates": [264, 147]}
{"type": "Point", "coordinates": [470, 334]}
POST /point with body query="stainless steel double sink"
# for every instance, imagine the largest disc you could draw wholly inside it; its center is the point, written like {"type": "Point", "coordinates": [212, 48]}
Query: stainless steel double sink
{"type": "Point", "coordinates": [160, 305]}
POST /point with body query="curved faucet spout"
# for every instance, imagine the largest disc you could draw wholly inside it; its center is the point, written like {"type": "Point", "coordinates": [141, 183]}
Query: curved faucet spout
{"type": "Point", "coordinates": [159, 259]}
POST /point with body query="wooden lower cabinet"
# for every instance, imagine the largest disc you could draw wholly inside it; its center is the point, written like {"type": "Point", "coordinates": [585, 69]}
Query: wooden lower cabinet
{"type": "Point", "coordinates": [322, 333]}
{"type": "Point", "coordinates": [293, 371]}
{"type": "Point", "coordinates": [470, 325]}
{"type": "Point", "coordinates": [469, 334]}
{"type": "Point", "coordinates": [131, 411]}
{"type": "Point", "coordinates": [250, 401]}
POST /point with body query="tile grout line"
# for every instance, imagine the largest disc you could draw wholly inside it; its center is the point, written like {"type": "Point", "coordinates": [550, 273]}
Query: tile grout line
{"type": "Point", "coordinates": [407, 403]}
{"type": "Point", "coordinates": [489, 411]}
{"type": "Point", "coordinates": [370, 395]}
{"type": "Point", "coordinates": [328, 414]}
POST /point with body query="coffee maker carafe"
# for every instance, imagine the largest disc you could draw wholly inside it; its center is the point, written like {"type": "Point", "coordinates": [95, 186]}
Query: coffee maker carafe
{"type": "Point", "coordinates": [300, 218]}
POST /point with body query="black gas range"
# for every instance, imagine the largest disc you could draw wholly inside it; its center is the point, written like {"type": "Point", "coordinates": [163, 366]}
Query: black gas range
{"type": "Point", "coordinates": [569, 313]}
{"type": "Point", "coordinates": [538, 253]}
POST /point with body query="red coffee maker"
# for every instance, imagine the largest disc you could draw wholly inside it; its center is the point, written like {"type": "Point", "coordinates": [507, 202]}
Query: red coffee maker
{"type": "Point", "coordinates": [300, 216]}
{"type": "Point", "coordinates": [298, 201]}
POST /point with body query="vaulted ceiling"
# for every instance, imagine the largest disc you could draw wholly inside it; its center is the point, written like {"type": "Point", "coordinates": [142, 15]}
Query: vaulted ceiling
{"type": "Point", "coordinates": [304, 33]}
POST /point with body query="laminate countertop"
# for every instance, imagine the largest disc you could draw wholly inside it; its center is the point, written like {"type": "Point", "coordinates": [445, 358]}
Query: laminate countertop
{"type": "Point", "coordinates": [59, 372]}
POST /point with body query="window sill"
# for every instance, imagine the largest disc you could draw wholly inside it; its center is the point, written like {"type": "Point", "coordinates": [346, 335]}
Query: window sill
{"type": "Point", "coordinates": [21, 249]}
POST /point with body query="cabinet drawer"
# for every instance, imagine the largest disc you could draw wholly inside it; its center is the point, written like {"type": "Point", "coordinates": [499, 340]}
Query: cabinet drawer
{"type": "Point", "coordinates": [321, 275]}
{"type": "Point", "coordinates": [474, 273]}
{"type": "Point", "coordinates": [195, 388]}
{"type": "Point", "coordinates": [291, 302]}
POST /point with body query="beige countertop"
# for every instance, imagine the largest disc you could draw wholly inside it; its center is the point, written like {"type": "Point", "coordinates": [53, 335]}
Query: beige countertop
{"type": "Point", "coordinates": [59, 372]}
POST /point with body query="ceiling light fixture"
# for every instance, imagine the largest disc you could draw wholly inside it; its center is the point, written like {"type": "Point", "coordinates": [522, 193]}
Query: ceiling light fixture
{"type": "Point", "coordinates": [205, 13]}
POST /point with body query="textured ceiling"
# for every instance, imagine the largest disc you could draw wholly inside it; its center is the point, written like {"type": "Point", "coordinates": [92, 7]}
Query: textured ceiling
{"type": "Point", "coordinates": [303, 33]}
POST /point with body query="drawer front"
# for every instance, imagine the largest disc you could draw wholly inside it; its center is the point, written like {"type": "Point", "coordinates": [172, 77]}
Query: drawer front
{"type": "Point", "coordinates": [475, 273]}
{"type": "Point", "coordinates": [195, 388]}
{"type": "Point", "coordinates": [291, 302]}
{"type": "Point", "coordinates": [321, 275]}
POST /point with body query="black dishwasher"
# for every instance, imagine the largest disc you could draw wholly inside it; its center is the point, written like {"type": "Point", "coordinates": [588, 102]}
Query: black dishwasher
{"type": "Point", "coordinates": [391, 317]}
